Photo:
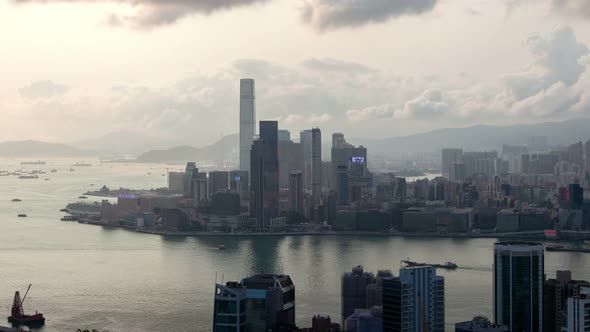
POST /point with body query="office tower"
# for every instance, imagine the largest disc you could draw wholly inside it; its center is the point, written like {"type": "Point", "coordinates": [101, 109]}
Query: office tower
{"type": "Point", "coordinates": [479, 324]}
{"type": "Point", "coordinates": [239, 181]}
{"type": "Point", "coordinates": [450, 156]}
{"type": "Point", "coordinates": [322, 324]}
{"type": "Point", "coordinates": [375, 291]}
{"type": "Point", "coordinates": [316, 164]}
{"type": "Point", "coordinates": [457, 172]}
{"type": "Point", "coordinates": [176, 182]}
{"type": "Point", "coordinates": [262, 302]}
{"type": "Point", "coordinates": [518, 285]}
{"type": "Point", "coordinates": [296, 192]}
{"type": "Point", "coordinates": [218, 181]}
{"type": "Point", "coordinates": [399, 189]}
{"type": "Point", "coordinates": [552, 305]}
{"type": "Point", "coordinates": [270, 160]}
{"type": "Point", "coordinates": [305, 139]}
{"type": "Point", "coordinates": [342, 189]}
{"type": "Point", "coordinates": [200, 188]}
{"type": "Point", "coordinates": [290, 160]}
{"type": "Point", "coordinates": [576, 196]}
{"type": "Point", "coordinates": [190, 174]}
{"type": "Point", "coordinates": [578, 311]}
{"type": "Point", "coordinates": [338, 140]}
{"type": "Point", "coordinates": [284, 135]}
{"type": "Point", "coordinates": [360, 180]}
{"type": "Point", "coordinates": [354, 291]}
{"type": "Point", "coordinates": [477, 163]}
{"type": "Point", "coordinates": [247, 121]}
{"type": "Point", "coordinates": [365, 320]}
{"type": "Point", "coordinates": [257, 183]}
{"type": "Point", "coordinates": [587, 155]}
{"type": "Point", "coordinates": [414, 301]}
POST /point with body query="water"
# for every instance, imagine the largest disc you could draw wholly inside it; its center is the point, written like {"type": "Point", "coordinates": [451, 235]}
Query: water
{"type": "Point", "coordinates": [86, 276]}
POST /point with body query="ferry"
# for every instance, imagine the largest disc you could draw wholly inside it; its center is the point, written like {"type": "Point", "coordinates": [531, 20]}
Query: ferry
{"type": "Point", "coordinates": [28, 177]}
{"type": "Point", "coordinates": [447, 265]}
{"type": "Point", "coordinates": [82, 165]}
{"type": "Point", "coordinates": [17, 200]}
{"type": "Point", "coordinates": [69, 218]}
{"type": "Point", "coordinates": [22, 215]}
{"type": "Point", "coordinates": [38, 162]}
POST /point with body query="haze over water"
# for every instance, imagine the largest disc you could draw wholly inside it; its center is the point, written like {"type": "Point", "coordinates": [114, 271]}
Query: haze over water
{"type": "Point", "coordinates": [87, 276]}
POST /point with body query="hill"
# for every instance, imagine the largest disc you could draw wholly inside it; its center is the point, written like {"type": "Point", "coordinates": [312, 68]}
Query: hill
{"type": "Point", "coordinates": [32, 148]}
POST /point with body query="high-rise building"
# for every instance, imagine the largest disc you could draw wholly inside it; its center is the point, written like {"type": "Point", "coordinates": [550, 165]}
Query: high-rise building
{"type": "Point", "coordinates": [218, 181]}
{"type": "Point", "coordinates": [576, 196]}
{"type": "Point", "coordinates": [414, 301]}
{"type": "Point", "coordinates": [176, 182]}
{"type": "Point", "coordinates": [457, 172]}
{"type": "Point", "coordinates": [354, 291]}
{"type": "Point", "coordinates": [316, 164]}
{"type": "Point", "coordinates": [290, 160]}
{"type": "Point", "coordinates": [450, 156]}
{"type": "Point", "coordinates": [342, 188]}
{"type": "Point", "coordinates": [344, 154]}
{"type": "Point", "coordinates": [262, 302]}
{"type": "Point", "coordinates": [239, 181]}
{"type": "Point", "coordinates": [305, 139]}
{"type": "Point", "coordinates": [578, 311]}
{"type": "Point", "coordinates": [518, 285]}
{"type": "Point", "coordinates": [284, 135]}
{"type": "Point", "coordinates": [247, 121]}
{"type": "Point", "coordinates": [270, 159]}
{"type": "Point", "coordinates": [190, 174]}
{"type": "Point", "coordinates": [257, 183]}
{"type": "Point", "coordinates": [296, 198]}
{"type": "Point", "coordinates": [364, 320]}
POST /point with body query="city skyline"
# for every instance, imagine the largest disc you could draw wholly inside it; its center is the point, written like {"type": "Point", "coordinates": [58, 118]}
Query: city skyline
{"type": "Point", "coordinates": [334, 84]}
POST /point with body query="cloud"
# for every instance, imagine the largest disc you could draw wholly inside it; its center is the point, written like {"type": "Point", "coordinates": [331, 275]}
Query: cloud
{"type": "Point", "coordinates": [331, 14]}
{"type": "Point", "coordinates": [152, 13]}
{"type": "Point", "coordinates": [43, 89]}
{"type": "Point", "coordinates": [335, 66]}
{"type": "Point", "coordinates": [370, 113]}
{"type": "Point", "coordinates": [572, 7]}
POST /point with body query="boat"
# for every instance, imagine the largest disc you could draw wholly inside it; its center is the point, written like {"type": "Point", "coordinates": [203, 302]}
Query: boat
{"type": "Point", "coordinates": [82, 197]}
{"type": "Point", "coordinates": [560, 248]}
{"type": "Point", "coordinates": [71, 169]}
{"type": "Point", "coordinates": [38, 162]}
{"type": "Point", "coordinates": [69, 218]}
{"type": "Point", "coordinates": [221, 247]}
{"type": "Point", "coordinates": [447, 265]}
{"type": "Point", "coordinates": [82, 165]}
{"type": "Point", "coordinates": [47, 179]}
{"type": "Point", "coordinates": [53, 171]}
{"type": "Point", "coordinates": [28, 177]}
{"type": "Point", "coordinates": [64, 210]}
{"type": "Point", "coordinates": [17, 315]}
{"type": "Point", "coordinates": [21, 215]}
{"type": "Point", "coordinates": [17, 200]}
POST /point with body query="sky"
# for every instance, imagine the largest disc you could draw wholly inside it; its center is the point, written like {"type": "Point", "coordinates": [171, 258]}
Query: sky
{"type": "Point", "coordinates": [77, 69]}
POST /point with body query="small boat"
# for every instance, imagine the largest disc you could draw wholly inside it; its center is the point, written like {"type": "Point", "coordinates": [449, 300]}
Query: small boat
{"type": "Point", "coordinates": [17, 200]}
{"type": "Point", "coordinates": [71, 169]}
{"type": "Point", "coordinates": [47, 179]}
{"type": "Point", "coordinates": [22, 215]}
{"type": "Point", "coordinates": [53, 171]}
{"type": "Point", "coordinates": [28, 177]}
{"type": "Point", "coordinates": [82, 197]}
{"type": "Point", "coordinates": [447, 265]}
{"type": "Point", "coordinates": [69, 218]}
{"type": "Point", "coordinates": [221, 247]}
{"type": "Point", "coordinates": [64, 210]}
{"type": "Point", "coordinates": [38, 162]}
{"type": "Point", "coordinates": [82, 165]}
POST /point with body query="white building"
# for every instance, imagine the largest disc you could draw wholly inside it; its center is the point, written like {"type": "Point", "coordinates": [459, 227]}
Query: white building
{"type": "Point", "coordinates": [247, 121]}
{"type": "Point", "coordinates": [578, 311]}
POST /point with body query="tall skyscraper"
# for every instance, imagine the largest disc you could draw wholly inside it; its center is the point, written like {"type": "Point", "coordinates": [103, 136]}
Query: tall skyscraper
{"type": "Point", "coordinates": [450, 156]}
{"type": "Point", "coordinates": [190, 174]}
{"type": "Point", "coordinates": [518, 285]}
{"type": "Point", "coordinates": [239, 181]}
{"type": "Point", "coordinates": [354, 291]}
{"type": "Point", "coordinates": [257, 182]}
{"type": "Point", "coordinates": [247, 121]}
{"type": "Point", "coordinates": [296, 192]}
{"type": "Point", "coordinates": [414, 301]}
{"type": "Point", "coordinates": [305, 139]}
{"type": "Point", "coordinates": [218, 181]}
{"type": "Point", "coordinates": [316, 164]}
{"type": "Point", "coordinates": [265, 173]}
{"type": "Point", "coordinates": [263, 302]}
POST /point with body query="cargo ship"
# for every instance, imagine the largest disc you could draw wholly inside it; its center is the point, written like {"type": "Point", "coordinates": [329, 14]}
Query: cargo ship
{"type": "Point", "coordinates": [447, 265]}
{"type": "Point", "coordinates": [38, 162]}
{"type": "Point", "coordinates": [18, 316]}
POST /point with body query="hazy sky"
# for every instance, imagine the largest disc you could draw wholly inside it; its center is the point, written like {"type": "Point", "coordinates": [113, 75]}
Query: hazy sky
{"type": "Point", "coordinates": [76, 69]}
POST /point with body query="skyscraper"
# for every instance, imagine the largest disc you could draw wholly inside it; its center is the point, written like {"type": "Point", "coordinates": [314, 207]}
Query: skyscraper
{"type": "Point", "coordinates": [305, 139]}
{"type": "Point", "coordinates": [518, 285]}
{"type": "Point", "coordinates": [316, 164]}
{"type": "Point", "coordinates": [414, 301]}
{"type": "Point", "coordinates": [190, 174]}
{"type": "Point", "coordinates": [267, 186]}
{"type": "Point", "coordinates": [450, 156]}
{"type": "Point", "coordinates": [247, 121]}
{"type": "Point", "coordinates": [257, 182]}
{"type": "Point", "coordinates": [296, 192]}
{"type": "Point", "coordinates": [354, 291]}
{"type": "Point", "coordinates": [263, 302]}
{"type": "Point", "coordinates": [218, 181]}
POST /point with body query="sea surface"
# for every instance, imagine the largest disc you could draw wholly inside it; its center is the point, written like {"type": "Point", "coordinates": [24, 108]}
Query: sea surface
{"type": "Point", "coordinates": [87, 276]}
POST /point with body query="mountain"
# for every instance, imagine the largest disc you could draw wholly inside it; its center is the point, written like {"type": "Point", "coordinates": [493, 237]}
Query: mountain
{"type": "Point", "coordinates": [479, 137]}
{"type": "Point", "coordinates": [38, 149]}
{"type": "Point", "coordinates": [124, 142]}
{"type": "Point", "coordinates": [225, 149]}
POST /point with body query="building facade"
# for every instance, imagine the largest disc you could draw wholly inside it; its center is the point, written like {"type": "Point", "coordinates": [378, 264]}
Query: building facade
{"type": "Point", "coordinates": [247, 121]}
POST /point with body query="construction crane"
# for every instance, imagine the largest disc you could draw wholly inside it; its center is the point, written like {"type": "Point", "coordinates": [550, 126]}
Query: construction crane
{"type": "Point", "coordinates": [18, 315]}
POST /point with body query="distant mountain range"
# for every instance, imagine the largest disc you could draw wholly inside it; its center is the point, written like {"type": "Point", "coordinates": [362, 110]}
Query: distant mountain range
{"type": "Point", "coordinates": [37, 148]}
{"type": "Point", "coordinates": [479, 137]}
